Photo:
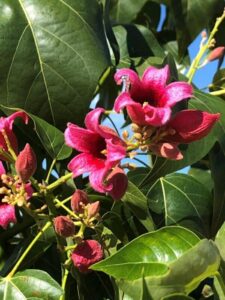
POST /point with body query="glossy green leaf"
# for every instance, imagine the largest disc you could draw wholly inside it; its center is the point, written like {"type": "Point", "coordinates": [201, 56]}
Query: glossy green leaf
{"type": "Point", "coordinates": [182, 200]}
{"type": "Point", "coordinates": [177, 297]}
{"type": "Point", "coordinates": [51, 138]}
{"type": "Point", "coordinates": [126, 11]}
{"type": "Point", "coordinates": [203, 176]}
{"type": "Point", "coordinates": [220, 238]}
{"type": "Point", "coordinates": [171, 260]}
{"type": "Point", "coordinates": [30, 284]}
{"type": "Point", "coordinates": [149, 254]}
{"type": "Point", "coordinates": [54, 53]}
{"type": "Point", "coordinates": [137, 202]}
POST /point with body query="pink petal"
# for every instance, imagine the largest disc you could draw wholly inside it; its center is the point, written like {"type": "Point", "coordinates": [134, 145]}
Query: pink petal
{"type": "Point", "coordinates": [191, 125]}
{"type": "Point", "coordinates": [97, 180]}
{"type": "Point", "coordinates": [136, 113]}
{"type": "Point", "coordinates": [92, 119]}
{"type": "Point", "coordinates": [115, 152]}
{"type": "Point", "coordinates": [2, 169]}
{"type": "Point", "coordinates": [167, 150]}
{"type": "Point", "coordinates": [7, 215]}
{"type": "Point", "coordinates": [156, 116]}
{"type": "Point", "coordinates": [133, 76]}
{"type": "Point", "coordinates": [175, 92]}
{"type": "Point", "coordinates": [118, 181]}
{"type": "Point", "coordinates": [122, 101]}
{"type": "Point", "coordinates": [81, 139]}
{"type": "Point", "coordinates": [92, 122]}
{"type": "Point", "coordinates": [154, 80]}
{"type": "Point", "coordinates": [85, 163]}
{"type": "Point", "coordinates": [18, 114]}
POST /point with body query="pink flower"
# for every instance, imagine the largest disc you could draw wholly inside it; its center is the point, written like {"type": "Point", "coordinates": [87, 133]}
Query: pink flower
{"type": "Point", "coordinates": [6, 125]}
{"type": "Point", "coordinates": [187, 126]}
{"type": "Point", "coordinates": [100, 146]}
{"type": "Point", "coordinates": [86, 254]}
{"type": "Point", "coordinates": [150, 99]}
{"type": "Point", "coordinates": [7, 211]}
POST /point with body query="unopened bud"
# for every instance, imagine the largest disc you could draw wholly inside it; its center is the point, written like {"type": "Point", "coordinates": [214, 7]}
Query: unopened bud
{"type": "Point", "coordinates": [217, 53]}
{"type": "Point", "coordinates": [26, 163]}
{"type": "Point", "coordinates": [93, 209]}
{"type": "Point", "coordinates": [204, 34]}
{"type": "Point", "coordinates": [135, 128]}
{"type": "Point", "coordinates": [125, 134]}
{"type": "Point", "coordinates": [138, 136]}
{"type": "Point", "coordinates": [64, 226]}
{"type": "Point", "coordinates": [86, 254]}
{"type": "Point", "coordinates": [78, 201]}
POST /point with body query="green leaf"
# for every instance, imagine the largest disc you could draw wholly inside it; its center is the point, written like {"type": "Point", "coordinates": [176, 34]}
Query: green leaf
{"type": "Point", "coordinates": [220, 238]}
{"type": "Point", "coordinates": [177, 297]}
{"type": "Point", "coordinates": [126, 11]}
{"type": "Point", "coordinates": [171, 260]}
{"type": "Point", "coordinates": [54, 53]}
{"type": "Point", "coordinates": [191, 17]}
{"type": "Point", "coordinates": [183, 201]}
{"type": "Point", "coordinates": [203, 176]}
{"type": "Point", "coordinates": [149, 254]}
{"type": "Point", "coordinates": [137, 202]}
{"type": "Point", "coordinates": [30, 284]}
{"type": "Point", "coordinates": [51, 138]}
{"type": "Point", "coordinates": [218, 81]}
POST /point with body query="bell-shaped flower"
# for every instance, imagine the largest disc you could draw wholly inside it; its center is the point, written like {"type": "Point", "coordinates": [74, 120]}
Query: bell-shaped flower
{"type": "Point", "coordinates": [187, 126]}
{"type": "Point", "coordinates": [7, 210]}
{"type": "Point", "coordinates": [149, 100]}
{"type": "Point", "coordinates": [86, 254]}
{"type": "Point", "coordinates": [100, 146]}
{"type": "Point", "coordinates": [6, 128]}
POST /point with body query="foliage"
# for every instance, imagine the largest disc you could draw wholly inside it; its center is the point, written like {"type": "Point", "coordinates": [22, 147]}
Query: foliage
{"type": "Point", "coordinates": [82, 221]}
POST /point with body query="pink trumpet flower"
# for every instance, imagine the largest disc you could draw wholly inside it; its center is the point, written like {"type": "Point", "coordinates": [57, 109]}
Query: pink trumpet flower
{"type": "Point", "coordinates": [149, 100]}
{"type": "Point", "coordinates": [101, 150]}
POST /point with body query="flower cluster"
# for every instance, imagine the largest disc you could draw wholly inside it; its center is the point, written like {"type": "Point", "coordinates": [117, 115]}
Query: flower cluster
{"type": "Point", "coordinates": [149, 102]}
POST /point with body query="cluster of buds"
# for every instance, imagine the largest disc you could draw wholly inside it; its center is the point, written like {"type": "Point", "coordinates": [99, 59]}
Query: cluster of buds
{"type": "Point", "coordinates": [85, 213]}
{"type": "Point", "coordinates": [86, 252]}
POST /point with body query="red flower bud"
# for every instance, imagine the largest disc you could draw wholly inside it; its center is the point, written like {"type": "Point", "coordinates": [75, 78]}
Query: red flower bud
{"type": "Point", "coordinates": [118, 180]}
{"type": "Point", "coordinates": [26, 163]}
{"type": "Point", "coordinates": [93, 209]}
{"type": "Point", "coordinates": [86, 254]}
{"type": "Point", "coordinates": [78, 201]}
{"type": "Point", "coordinates": [64, 226]}
{"type": "Point", "coordinates": [217, 53]}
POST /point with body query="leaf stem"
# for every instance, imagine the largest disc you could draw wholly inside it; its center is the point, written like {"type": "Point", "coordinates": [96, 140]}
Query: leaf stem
{"type": "Point", "coordinates": [220, 281]}
{"type": "Point", "coordinates": [64, 279]}
{"type": "Point", "coordinates": [203, 48]}
{"type": "Point", "coordinates": [50, 170]}
{"type": "Point", "coordinates": [10, 275]}
{"type": "Point", "coordinates": [59, 181]}
{"type": "Point", "coordinates": [70, 212]}
{"type": "Point", "coordinates": [218, 93]}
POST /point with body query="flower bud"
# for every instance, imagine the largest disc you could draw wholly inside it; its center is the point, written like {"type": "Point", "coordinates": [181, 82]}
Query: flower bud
{"type": "Point", "coordinates": [217, 53]}
{"type": "Point", "coordinates": [93, 209]}
{"type": "Point", "coordinates": [26, 163]}
{"type": "Point", "coordinates": [78, 201]}
{"type": "Point", "coordinates": [86, 254]}
{"type": "Point", "coordinates": [64, 226]}
{"type": "Point", "coordinates": [118, 180]}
